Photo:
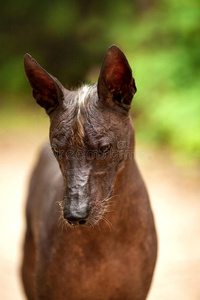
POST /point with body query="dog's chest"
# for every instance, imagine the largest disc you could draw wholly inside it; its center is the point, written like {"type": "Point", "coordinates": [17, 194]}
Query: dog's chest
{"type": "Point", "coordinates": [91, 270]}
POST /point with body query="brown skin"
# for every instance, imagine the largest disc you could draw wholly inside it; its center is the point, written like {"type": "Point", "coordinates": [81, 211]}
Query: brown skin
{"type": "Point", "coordinates": [90, 261]}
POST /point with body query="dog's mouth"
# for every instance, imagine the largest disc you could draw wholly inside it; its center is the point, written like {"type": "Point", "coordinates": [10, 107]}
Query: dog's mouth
{"type": "Point", "coordinates": [92, 217]}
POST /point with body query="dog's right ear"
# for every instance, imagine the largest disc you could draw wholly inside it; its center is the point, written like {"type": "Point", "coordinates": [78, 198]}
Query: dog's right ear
{"type": "Point", "coordinates": [47, 90]}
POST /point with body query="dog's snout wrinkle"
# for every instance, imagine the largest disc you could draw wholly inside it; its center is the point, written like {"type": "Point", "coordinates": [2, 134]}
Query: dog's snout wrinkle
{"type": "Point", "coordinates": [78, 177]}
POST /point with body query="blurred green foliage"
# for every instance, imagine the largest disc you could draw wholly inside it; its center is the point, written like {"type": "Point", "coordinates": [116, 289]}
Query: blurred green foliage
{"type": "Point", "coordinates": [160, 38]}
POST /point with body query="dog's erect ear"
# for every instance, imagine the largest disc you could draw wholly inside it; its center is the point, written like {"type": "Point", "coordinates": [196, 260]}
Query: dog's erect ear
{"type": "Point", "coordinates": [47, 90]}
{"type": "Point", "coordinates": [115, 80]}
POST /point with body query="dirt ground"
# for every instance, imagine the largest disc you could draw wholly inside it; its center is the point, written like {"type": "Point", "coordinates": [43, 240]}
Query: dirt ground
{"type": "Point", "coordinates": [175, 198]}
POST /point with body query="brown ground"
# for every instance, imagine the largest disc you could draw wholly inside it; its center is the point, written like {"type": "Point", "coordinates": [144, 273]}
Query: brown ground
{"type": "Point", "coordinates": [175, 198]}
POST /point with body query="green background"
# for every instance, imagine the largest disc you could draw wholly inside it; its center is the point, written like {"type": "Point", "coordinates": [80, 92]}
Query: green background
{"type": "Point", "coordinates": [161, 40]}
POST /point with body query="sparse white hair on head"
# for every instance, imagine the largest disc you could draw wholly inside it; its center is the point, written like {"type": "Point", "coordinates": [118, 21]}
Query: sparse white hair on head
{"type": "Point", "coordinates": [84, 92]}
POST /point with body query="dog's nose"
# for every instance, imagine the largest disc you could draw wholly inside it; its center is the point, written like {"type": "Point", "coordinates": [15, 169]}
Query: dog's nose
{"type": "Point", "coordinates": [75, 218]}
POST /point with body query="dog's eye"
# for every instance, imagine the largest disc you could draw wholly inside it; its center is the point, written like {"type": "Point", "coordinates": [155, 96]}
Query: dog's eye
{"type": "Point", "coordinates": [56, 152]}
{"type": "Point", "coordinates": [104, 149]}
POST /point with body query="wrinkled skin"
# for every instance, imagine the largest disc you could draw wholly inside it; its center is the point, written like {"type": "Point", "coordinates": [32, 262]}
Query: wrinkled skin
{"type": "Point", "coordinates": [89, 176]}
{"type": "Point", "coordinates": [107, 249]}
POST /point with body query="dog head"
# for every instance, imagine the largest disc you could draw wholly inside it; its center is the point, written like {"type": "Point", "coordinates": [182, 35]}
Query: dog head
{"type": "Point", "coordinates": [89, 132]}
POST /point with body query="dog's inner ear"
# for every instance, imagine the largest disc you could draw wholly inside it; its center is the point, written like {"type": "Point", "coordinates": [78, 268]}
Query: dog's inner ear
{"type": "Point", "coordinates": [47, 90]}
{"type": "Point", "coordinates": [115, 80]}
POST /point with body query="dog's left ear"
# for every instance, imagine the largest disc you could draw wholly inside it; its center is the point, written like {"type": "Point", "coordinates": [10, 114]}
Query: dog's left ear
{"type": "Point", "coordinates": [115, 81]}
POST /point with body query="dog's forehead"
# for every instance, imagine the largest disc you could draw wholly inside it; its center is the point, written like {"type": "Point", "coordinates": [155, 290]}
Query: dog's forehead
{"type": "Point", "coordinates": [86, 101]}
{"type": "Point", "coordinates": [78, 109]}
{"type": "Point", "coordinates": [84, 118]}
{"type": "Point", "coordinates": [93, 119]}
